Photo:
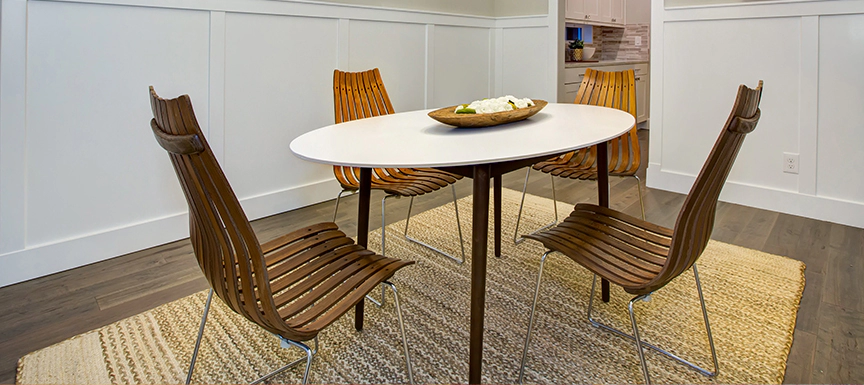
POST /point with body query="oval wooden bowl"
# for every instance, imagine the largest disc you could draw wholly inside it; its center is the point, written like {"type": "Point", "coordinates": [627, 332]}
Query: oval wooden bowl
{"type": "Point", "coordinates": [447, 116]}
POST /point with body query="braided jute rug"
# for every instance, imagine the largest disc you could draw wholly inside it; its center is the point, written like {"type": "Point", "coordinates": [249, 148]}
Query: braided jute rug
{"type": "Point", "coordinates": [752, 300]}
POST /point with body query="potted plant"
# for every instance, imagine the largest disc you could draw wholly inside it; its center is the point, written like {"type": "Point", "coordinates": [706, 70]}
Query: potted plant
{"type": "Point", "coordinates": [576, 50]}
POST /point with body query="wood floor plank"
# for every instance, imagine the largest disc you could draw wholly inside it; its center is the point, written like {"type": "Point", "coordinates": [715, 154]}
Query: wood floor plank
{"type": "Point", "coordinates": [730, 221]}
{"type": "Point", "coordinates": [799, 365]}
{"type": "Point", "coordinates": [839, 357]}
{"type": "Point", "coordinates": [844, 285]}
{"type": "Point", "coordinates": [828, 342]}
{"type": "Point", "coordinates": [756, 233]}
{"type": "Point", "coordinates": [811, 300]}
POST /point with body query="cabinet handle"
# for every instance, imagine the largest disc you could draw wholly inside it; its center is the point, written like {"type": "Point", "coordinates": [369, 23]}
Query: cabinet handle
{"type": "Point", "coordinates": [614, 20]}
{"type": "Point", "coordinates": [637, 79]}
{"type": "Point", "coordinates": [587, 16]}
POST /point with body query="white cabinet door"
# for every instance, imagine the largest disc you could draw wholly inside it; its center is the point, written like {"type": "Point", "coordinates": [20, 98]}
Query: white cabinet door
{"type": "Point", "coordinates": [572, 80]}
{"type": "Point", "coordinates": [574, 9]}
{"type": "Point", "coordinates": [600, 12]}
{"type": "Point", "coordinates": [617, 12]}
{"type": "Point", "coordinates": [642, 87]}
{"type": "Point", "coordinates": [592, 9]}
{"type": "Point", "coordinates": [605, 11]}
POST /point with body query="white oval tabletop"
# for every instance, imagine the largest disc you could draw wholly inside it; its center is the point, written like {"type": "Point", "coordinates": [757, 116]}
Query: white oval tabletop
{"type": "Point", "coordinates": [413, 139]}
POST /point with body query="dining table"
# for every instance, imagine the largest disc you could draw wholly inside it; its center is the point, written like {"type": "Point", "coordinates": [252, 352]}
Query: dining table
{"type": "Point", "coordinates": [414, 140]}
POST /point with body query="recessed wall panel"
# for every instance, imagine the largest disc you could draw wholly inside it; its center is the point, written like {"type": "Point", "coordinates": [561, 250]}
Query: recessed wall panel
{"type": "Point", "coordinates": [278, 85]}
{"type": "Point", "coordinates": [399, 51]}
{"type": "Point", "coordinates": [841, 108]}
{"type": "Point", "coordinates": [704, 63]}
{"type": "Point", "coordinates": [461, 64]}
{"type": "Point", "coordinates": [92, 161]}
{"type": "Point", "coordinates": [524, 64]}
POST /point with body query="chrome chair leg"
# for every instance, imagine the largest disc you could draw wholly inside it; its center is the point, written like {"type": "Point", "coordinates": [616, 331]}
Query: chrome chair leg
{"type": "Point", "coordinates": [383, 242]}
{"type": "Point", "coordinates": [458, 228]}
{"type": "Point", "coordinates": [401, 330]}
{"type": "Point", "coordinates": [200, 334]}
{"type": "Point", "coordinates": [516, 238]}
{"type": "Point", "coordinates": [531, 317]}
{"type": "Point", "coordinates": [707, 324]}
{"type": "Point", "coordinates": [644, 344]}
{"type": "Point", "coordinates": [338, 198]}
{"type": "Point", "coordinates": [384, 221]}
{"type": "Point", "coordinates": [639, 190]}
{"type": "Point", "coordinates": [310, 354]}
{"type": "Point", "coordinates": [637, 339]}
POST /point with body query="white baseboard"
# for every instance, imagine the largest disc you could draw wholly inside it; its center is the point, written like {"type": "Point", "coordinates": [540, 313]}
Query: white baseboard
{"type": "Point", "coordinates": [42, 260]}
{"type": "Point", "coordinates": [788, 202]}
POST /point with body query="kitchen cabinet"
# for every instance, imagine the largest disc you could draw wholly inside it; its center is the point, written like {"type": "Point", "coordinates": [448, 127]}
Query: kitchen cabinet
{"type": "Point", "coordinates": [642, 87]}
{"type": "Point", "coordinates": [583, 11]}
{"type": "Point", "coordinates": [573, 78]}
{"type": "Point", "coordinates": [595, 12]}
{"type": "Point", "coordinates": [617, 12]}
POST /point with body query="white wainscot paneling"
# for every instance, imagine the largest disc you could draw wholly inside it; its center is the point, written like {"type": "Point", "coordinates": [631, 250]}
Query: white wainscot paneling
{"type": "Point", "coordinates": [524, 62]}
{"type": "Point", "coordinates": [841, 115]}
{"type": "Point", "coordinates": [92, 163]}
{"type": "Point", "coordinates": [278, 85]}
{"type": "Point", "coordinates": [461, 64]}
{"type": "Point", "coordinates": [399, 51]}
{"type": "Point", "coordinates": [705, 61]}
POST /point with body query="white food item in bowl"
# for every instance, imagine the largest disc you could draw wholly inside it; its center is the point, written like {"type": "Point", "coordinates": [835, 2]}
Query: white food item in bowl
{"type": "Point", "coordinates": [487, 106]}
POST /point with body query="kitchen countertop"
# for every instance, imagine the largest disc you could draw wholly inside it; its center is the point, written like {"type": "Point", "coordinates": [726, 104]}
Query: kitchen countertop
{"type": "Point", "coordinates": [581, 64]}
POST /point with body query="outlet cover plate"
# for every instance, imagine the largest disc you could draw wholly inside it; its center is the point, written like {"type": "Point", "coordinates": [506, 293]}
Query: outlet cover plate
{"type": "Point", "coordinates": [790, 163]}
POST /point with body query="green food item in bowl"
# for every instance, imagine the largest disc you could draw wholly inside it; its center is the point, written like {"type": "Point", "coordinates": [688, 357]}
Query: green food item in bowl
{"type": "Point", "coordinates": [466, 110]}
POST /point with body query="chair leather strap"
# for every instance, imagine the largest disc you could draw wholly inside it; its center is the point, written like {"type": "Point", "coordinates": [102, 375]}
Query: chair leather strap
{"type": "Point", "coordinates": [177, 144]}
{"type": "Point", "coordinates": [745, 125]}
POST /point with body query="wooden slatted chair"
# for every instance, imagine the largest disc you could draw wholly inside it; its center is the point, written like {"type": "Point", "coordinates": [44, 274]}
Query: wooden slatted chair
{"type": "Point", "coordinates": [293, 286]}
{"type": "Point", "coordinates": [609, 89]}
{"type": "Point", "coordinates": [642, 257]}
{"type": "Point", "coordinates": [358, 95]}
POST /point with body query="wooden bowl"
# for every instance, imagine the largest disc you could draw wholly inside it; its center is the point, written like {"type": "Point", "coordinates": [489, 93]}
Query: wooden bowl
{"type": "Point", "coordinates": [447, 115]}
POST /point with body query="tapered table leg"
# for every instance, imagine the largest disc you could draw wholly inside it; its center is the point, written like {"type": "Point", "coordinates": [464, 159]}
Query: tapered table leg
{"type": "Point", "coordinates": [603, 199]}
{"type": "Point", "coordinates": [479, 237]}
{"type": "Point", "coordinates": [363, 230]}
{"type": "Point", "coordinates": [497, 213]}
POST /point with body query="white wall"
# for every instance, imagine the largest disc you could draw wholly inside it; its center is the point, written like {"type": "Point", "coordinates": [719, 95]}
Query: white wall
{"type": "Point", "coordinates": [810, 55]}
{"type": "Point", "coordinates": [495, 8]}
{"type": "Point", "coordinates": [638, 11]}
{"type": "Point", "coordinates": [83, 179]}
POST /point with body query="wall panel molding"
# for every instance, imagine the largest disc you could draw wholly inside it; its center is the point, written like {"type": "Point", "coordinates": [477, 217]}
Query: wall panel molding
{"type": "Point", "coordinates": [798, 92]}
{"type": "Point", "coordinates": [216, 106]}
{"type": "Point", "coordinates": [39, 260]}
{"type": "Point", "coordinates": [13, 114]}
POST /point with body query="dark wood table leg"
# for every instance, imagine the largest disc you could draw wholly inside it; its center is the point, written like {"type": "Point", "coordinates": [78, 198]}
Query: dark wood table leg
{"type": "Point", "coordinates": [479, 237]}
{"type": "Point", "coordinates": [363, 230]}
{"type": "Point", "coordinates": [603, 199]}
{"type": "Point", "coordinates": [497, 213]}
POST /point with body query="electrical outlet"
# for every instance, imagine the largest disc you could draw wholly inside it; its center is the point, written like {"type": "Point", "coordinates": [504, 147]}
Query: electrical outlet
{"type": "Point", "coordinates": [638, 41]}
{"type": "Point", "coordinates": [790, 163]}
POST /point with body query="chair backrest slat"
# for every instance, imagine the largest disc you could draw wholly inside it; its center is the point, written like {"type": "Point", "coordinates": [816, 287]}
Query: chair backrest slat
{"type": "Point", "coordinates": [696, 220]}
{"type": "Point", "coordinates": [614, 90]}
{"type": "Point", "coordinates": [227, 249]}
{"type": "Point", "coordinates": [357, 95]}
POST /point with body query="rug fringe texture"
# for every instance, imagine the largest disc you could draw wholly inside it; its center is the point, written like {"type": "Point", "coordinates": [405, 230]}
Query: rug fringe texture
{"type": "Point", "coordinates": [752, 299]}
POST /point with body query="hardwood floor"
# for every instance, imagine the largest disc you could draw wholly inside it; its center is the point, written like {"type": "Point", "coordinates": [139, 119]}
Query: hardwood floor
{"type": "Point", "coordinates": [829, 335]}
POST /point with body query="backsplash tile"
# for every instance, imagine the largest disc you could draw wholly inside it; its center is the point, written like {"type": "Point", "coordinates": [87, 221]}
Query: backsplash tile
{"type": "Point", "coordinates": [619, 43]}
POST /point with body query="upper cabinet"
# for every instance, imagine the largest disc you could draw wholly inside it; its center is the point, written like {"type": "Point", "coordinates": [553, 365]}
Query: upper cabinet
{"type": "Point", "coordinates": [597, 12]}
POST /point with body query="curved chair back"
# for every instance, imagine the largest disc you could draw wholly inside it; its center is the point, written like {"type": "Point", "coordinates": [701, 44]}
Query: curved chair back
{"type": "Point", "coordinates": [696, 220]}
{"type": "Point", "coordinates": [357, 95]}
{"type": "Point", "coordinates": [615, 90]}
{"type": "Point", "coordinates": [227, 249]}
